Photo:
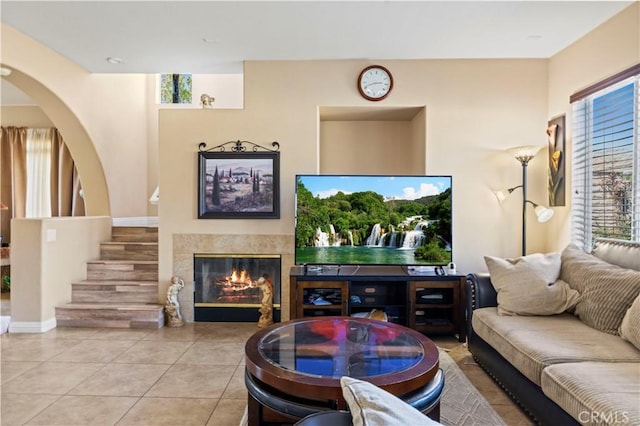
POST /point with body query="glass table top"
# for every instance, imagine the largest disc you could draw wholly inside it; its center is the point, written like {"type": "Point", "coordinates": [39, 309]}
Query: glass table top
{"type": "Point", "coordinates": [341, 346]}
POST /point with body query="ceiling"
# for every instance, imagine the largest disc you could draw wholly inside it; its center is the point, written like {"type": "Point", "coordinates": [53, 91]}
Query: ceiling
{"type": "Point", "coordinates": [213, 37]}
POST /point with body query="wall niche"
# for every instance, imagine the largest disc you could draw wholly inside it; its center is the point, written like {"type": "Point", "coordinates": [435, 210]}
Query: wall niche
{"type": "Point", "coordinates": [372, 140]}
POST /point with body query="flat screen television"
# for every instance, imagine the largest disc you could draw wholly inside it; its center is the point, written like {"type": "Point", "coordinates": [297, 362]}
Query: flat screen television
{"type": "Point", "coordinates": [373, 220]}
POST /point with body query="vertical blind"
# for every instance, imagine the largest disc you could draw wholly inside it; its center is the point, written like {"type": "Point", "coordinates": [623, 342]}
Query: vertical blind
{"type": "Point", "coordinates": [606, 164]}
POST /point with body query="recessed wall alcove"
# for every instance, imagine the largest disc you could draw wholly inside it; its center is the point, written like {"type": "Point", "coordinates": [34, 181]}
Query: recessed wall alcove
{"type": "Point", "coordinates": [372, 140]}
{"type": "Point", "coordinates": [186, 245]}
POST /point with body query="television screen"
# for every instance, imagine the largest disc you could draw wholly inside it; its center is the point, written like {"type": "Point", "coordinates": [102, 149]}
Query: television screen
{"type": "Point", "coordinates": [373, 220]}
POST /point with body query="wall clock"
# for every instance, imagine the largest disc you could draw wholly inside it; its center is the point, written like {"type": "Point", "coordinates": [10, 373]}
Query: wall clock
{"type": "Point", "coordinates": [375, 83]}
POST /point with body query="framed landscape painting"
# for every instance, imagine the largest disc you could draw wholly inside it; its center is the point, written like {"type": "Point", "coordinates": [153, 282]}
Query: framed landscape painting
{"type": "Point", "coordinates": [238, 185]}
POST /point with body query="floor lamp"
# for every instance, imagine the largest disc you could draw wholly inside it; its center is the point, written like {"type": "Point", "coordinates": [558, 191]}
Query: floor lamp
{"type": "Point", "coordinates": [524, 154]}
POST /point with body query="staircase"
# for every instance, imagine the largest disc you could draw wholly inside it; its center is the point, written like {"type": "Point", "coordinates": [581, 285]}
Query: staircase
{"type": "Point", "coordinates": [121, 289]}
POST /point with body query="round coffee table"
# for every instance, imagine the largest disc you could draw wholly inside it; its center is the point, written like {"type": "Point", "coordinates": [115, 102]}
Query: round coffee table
{"type": "Point", "coordinates": [293, 369]}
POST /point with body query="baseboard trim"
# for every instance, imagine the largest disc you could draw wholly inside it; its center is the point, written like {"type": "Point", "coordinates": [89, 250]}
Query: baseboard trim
{"type": "Point", "coordinates": [32, 327]}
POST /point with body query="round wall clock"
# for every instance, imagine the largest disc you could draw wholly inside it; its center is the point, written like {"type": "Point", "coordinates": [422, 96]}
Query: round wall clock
{"type": "Point", "coordinates": [375, 83]}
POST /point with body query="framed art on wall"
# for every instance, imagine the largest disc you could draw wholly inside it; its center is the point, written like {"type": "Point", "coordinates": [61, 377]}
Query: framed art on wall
{"type": "Point", "coordinates": [556, 142]}
{"type": "Point", "coordinates": [234, 185]}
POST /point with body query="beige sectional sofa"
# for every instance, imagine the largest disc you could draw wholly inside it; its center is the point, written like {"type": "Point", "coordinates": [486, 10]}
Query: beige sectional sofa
{"type": "Point", "coordinates": [572, 367]}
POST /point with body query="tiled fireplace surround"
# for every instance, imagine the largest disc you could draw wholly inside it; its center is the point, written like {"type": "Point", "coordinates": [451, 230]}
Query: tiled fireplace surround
{"type": "Point", "coordinates": [186, 245]}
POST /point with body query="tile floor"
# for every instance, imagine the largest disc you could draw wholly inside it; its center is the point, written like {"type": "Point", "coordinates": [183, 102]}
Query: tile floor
{"type": "Point", "coordinates": [192, 375]}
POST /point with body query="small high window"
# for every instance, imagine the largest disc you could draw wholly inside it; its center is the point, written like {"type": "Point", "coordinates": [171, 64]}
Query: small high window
{"type": "Point", "coordinates": [175, 88]}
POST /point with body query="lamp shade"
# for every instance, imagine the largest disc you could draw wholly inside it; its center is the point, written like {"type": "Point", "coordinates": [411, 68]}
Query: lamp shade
{"type": "Point", "coordinates": [501, 194]}
{"type": "Point", "coordinates": [525, 153]}
{"type": "Point", "coordinates": [543, 213]}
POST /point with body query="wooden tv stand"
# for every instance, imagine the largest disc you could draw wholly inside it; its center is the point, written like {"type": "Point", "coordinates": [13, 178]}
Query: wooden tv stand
{"type": "Point", "coordinates": [418, 299]}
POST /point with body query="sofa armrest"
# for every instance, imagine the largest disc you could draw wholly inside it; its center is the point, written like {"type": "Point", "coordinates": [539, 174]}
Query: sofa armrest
{"type": "Point", "coordinates": [479, 293]}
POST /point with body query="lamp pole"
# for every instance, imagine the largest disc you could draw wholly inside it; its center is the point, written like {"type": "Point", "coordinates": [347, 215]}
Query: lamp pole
{"type": "Point", "coordinates": [524, 154]}
{"type": "Point", "coordinates": [524, 206]}
{"type": "Point", "coordinates": [524, 160]}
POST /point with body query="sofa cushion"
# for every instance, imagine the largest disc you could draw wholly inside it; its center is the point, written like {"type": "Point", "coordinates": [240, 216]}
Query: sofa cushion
{"type": "Point", "coordinates": [527, 285]}
{"type": "Point", "coordinates": [608, 293]}
{"type": "Point", "coordinates": [630, 327]}
{"type": "Point", "coordinates": [532, 343]}
{"type": "Point", "coordinates": [622, 253]}
{"type": "Point", "coordinates": [371, 405]}
{"type": "Point", "coordinates": [595, 393]}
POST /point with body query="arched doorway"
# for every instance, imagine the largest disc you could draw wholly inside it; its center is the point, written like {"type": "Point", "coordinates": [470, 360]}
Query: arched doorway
{"type": "Point", "coordinates": [82, 149]}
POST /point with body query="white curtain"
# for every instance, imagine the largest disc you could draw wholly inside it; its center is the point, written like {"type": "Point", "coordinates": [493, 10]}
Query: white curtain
{"type": "Point", "coordinates": [38, 200]}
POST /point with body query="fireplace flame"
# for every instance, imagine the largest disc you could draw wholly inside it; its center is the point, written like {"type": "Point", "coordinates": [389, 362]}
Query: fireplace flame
{"type": "Point", "coordinates": [239, 277]}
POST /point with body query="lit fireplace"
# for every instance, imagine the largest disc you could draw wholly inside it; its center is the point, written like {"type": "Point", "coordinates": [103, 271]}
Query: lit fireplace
{"type": "Point", "coordinates": [226, 286]}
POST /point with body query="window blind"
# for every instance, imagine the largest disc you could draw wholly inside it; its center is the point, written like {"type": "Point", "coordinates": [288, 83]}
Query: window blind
{"type": "Point", "coordinates": [606, 164]}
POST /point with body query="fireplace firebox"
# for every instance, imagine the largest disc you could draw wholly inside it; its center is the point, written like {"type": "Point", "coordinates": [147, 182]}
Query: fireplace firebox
{"type": "Point", "coordinates": [226, 287]}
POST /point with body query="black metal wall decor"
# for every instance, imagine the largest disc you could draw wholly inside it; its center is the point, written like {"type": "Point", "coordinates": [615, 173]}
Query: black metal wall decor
{"type": "Point", "coordinates": [236, 181]}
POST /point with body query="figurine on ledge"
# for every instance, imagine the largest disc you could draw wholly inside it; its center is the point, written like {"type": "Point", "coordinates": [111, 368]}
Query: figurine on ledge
{"type": "Point", "coordinates": [172, 307]}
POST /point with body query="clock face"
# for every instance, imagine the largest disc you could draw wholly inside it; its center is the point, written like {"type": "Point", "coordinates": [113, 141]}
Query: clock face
{"type": "Point", "coordinates": [375, 82]}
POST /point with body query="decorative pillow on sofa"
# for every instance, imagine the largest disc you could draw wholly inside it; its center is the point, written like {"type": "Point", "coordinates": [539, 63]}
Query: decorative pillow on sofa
{"type": "Point", "coordinates": [529, 285]}
{"type": "Point", "coordinates": [372, 406]}
{"type": "Point", "coordinates": [609, 291]}
{"type": "Point", "coordinates": [576, 265]}
{"type": "Point", "coordinates": [630, 328]}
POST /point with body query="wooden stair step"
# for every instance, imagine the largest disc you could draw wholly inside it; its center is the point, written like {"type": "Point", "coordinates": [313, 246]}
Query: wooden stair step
{"type": "Point", "coordinates": [112, 250]}
{"type": "Point", "coordinates": [122, 270]}
{"type": "Point", "coordinates": [117, 315]}
{"type": "Point", "coordinates": [143, 284]}
{"type": "Point", "coordinates": [115, 306]}
{"type": "Point", "coordinates": [134, 233]}
{"type": "Point", "coordinates": [122, 261]}
{"type": "Point", "coordinates": [98, 291]}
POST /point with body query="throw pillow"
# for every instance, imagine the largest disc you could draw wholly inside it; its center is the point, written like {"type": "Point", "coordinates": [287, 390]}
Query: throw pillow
{"type": "Point", "coordinates": [630, 327]}
{"type": "Point", "coordinates": [576, 266]}
{"type": "Point", "coordinates": [609, 291]}
{"type": "Point", "coordinates": [529, 285]}
{"type": "Point", "coordinates": [371, 405]}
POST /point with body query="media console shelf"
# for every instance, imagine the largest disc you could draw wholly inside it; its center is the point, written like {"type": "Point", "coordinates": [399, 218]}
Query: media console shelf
{"type": "Point", "coordinates": [420, 299]}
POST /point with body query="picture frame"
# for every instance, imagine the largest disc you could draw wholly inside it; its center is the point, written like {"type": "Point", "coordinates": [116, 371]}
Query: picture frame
{"type": "Point", "coordinates": [238, 185]}
{"type": "Point", "coordinates": [557, 161]}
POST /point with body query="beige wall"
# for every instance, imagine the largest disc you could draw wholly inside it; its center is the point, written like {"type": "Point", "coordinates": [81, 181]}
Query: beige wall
{"type": "Point", "coordinates": [475, 109]}
{"type": "Point", "coordinates": [610, 48]}
{"type": "Point", "coordinates": [24, 116]}
{"type": "Point", "coordinates": [47, 255]}
{"type": "Point", "coordinates": [367, 147]}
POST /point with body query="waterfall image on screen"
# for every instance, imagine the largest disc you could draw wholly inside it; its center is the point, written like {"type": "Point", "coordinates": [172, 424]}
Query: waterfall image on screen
{"type": "Point", "coordinates": [373, 220]}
